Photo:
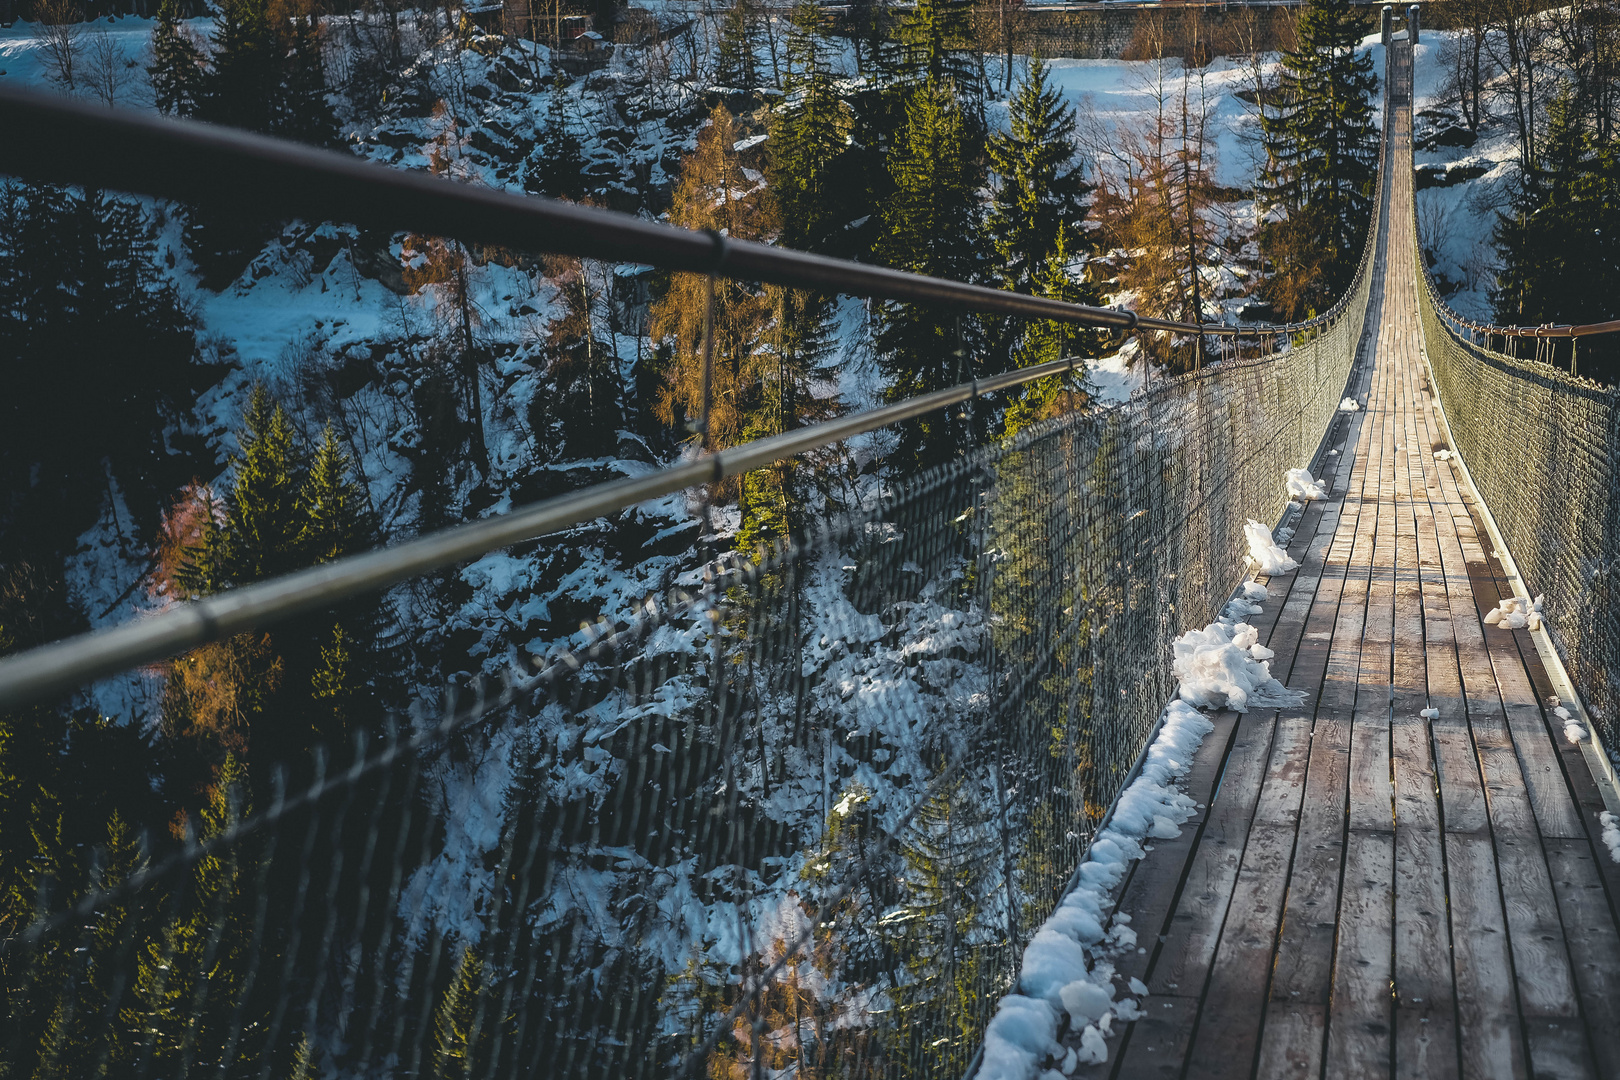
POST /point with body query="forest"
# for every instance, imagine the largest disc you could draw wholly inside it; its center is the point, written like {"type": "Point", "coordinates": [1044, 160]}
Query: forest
{"type": "Point", "coordinates": [201, 401]}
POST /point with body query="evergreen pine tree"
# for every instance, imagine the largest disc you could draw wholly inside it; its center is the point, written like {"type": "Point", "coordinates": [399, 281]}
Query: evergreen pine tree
{"type": "Point", "coordinates": [334, 517]}
{"type": "Point", "coordinates": [1322, 152]}
{"type": "Point", "coordinates": [737, 66]}
{"type": "Point", "coordinates": [1045, 340]}
{"type": "Point", "coordinates": [557, 166]}
{"type": "Point", "coordinates": [929, 228]}
{"type": "Point", "coordinates": [176, 70]}
{"type": "Point", "coordinates": [80, 1037]}
{"type": "Point", "coordinates": [310, 677]}
{"type": "Point", "coordinates": [457, 1049]}
{"type": "Point", "coordinates": [79, 278]}
{"type": "Point", "coordinates": [1557, 242]}
{"type": "Point", "coordinates": [1038, 201]}
{"type": "Point", "coordinates": [267, 74]}
{"type": "Point", "coordinates": [261, 535]}
{"type": "Point", "coordinates": [188, 976]}
{"type": "Point", "coordinates": [948, 892]}
{"type": "Point", "coordinates": [807, 135]}
{"type": "Point", "coordinates": [304, 113]}
{"type": "Point", "coordinates": [934, 43]}
{"type": "Point", "coordinates": [243, 85]}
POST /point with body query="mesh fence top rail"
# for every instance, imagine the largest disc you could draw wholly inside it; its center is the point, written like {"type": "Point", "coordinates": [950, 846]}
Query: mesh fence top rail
{"type": "Point", "coordinates": [803, 813]}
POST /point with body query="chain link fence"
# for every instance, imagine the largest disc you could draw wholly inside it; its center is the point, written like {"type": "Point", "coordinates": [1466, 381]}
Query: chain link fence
{"type": "Point", "coordinates": [798, 820]}
{"type": "Point", "coordinates": [806, 816]}
{"type": "Point", "coordinates": [1543, 448]}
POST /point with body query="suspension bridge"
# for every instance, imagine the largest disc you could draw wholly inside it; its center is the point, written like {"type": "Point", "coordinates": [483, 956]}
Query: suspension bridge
{"type": "Point", "coordinates": [804, 817]}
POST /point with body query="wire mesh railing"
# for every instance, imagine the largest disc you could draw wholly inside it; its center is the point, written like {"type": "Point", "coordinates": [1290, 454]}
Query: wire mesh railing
{"type": "Point", "coordinates": [1542, 446]}
{"type": "Point", "coordinates": [802, 815]}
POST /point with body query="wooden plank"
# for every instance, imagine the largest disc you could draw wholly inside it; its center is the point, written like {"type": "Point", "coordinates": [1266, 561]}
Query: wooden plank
{"type": "Point", "coordinates": [1361, 1015]}
{"type": "Point", "coordinates": [1292, 1039]}
{"type": "Point", "coordinates": [1594, 943]}
{"type": "Point", "coordinates": [1228, 1027]}
{"type": "Point", "coordinates": [1425, 1000]}
{"type": "Point", "coordinates": [1425, 1023]}
{"type": "Point", "coordinates": [1156, 1045]}
{"type": "Point", "coordinates": [1189, 945]}
{"type": "Point", "coordinates": [1149, 892]}
{"type": "Point", "coordinates": [1490, 1039]}
{"type": "Point", "coordinates": [1292, 1047]}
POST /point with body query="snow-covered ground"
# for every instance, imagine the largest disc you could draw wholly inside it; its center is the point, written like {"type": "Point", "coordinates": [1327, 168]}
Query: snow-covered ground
{"type": "Point", "coordinates": [1456, 216]}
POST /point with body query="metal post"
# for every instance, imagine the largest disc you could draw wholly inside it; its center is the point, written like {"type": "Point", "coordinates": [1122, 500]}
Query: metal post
{"type": "Point", "coordinates": [1386, 23]}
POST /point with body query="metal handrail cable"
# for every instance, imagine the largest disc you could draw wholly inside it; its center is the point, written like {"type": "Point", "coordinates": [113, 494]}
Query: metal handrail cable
{"type": "Point", "coordinates": [61, 140]}
{"type": "Point", "coordinates": [64, 140]}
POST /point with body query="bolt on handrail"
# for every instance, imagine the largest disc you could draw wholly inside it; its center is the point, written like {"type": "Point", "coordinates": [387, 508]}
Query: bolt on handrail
{"type": "Point", "coordinates": [65, 141]}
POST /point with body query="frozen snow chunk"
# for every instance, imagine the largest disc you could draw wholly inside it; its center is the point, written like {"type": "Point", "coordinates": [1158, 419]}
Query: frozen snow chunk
{"type": "Point", "coordinates": [1022, 1034]}
{"type": "Point", "coordinates": [1126, 1009]}
{"type": "Point", "coordinates": [1267, 557]}
{"type": "Point", "coordinates": [1085, 1001]}
{"type": "Point", "coordinates": [1304, 487]}
{"type": "Point", "coordinates": [1575, 731]}
{"type": "Point", "coordinates": [1138, 987]}
{"type": "Point", "coordinates": [1561, 712]}
{"type": "Point", "coordinates": [1093, 1050]}
{"type": "Point", "coordinates": [1611, 834]}
{"type": "Point", "coordinates": [1253, 590]}
{"type": "Point", "coordinates": [1516, 613]}
{"type": "Point", "coordinates": [1218, 671]}
{"type": "Point", "coordinates": [1430, 714]}
{"type": "Point", "coordinates": [1349, 405]}
{"type": "Point", "coordinates": [1443, 455]}
{"type": "Point", "coordinates": [1052, 960]}
{"type": "Point", "coordinates": [1071, 1062]}
{"type": "Point", "coordinates": [1238, 609]}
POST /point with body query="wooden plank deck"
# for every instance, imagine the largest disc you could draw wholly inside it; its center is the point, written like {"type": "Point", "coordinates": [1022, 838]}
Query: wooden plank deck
{"type": "Point", "coordinates": [1370, 892]}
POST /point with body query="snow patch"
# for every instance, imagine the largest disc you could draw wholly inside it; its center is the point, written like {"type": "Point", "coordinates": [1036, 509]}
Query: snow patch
{"type": "Point", "coordinates": [1349, 405]}
{"type": "Point", "coordinates": [1264, 554]}
{"type": "Point", "coordinates": [1430, 714]}
{"type": "Point", "coordinates": [1611, 834]}
{"type": "Point", "coordinates": [1063, 966]}
{"type": "Point", "coordinates": [1224, 666]}
{"type": "Point", "coordinates": [1303, 487]}
{"type": "Point", "coordinates": [1516, 613]}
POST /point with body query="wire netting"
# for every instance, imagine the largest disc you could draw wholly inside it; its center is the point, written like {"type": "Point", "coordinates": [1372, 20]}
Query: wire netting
{"type": "Point", "coordinates": [803, 817]}
{"type": "Point", "coordinates": [1543, 449]}
{"type": "Point", "coordinates": [807, 815]}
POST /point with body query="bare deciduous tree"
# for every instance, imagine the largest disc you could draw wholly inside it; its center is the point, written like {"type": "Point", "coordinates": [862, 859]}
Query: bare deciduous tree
{"type": "Point", "coordinates": [61, 19]}
{"type": "Point", "coordinates": [106, 72]}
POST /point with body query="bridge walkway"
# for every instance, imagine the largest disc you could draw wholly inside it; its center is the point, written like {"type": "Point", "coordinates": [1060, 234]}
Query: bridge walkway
{"type": "Point", "coordinates": [1371, 892]}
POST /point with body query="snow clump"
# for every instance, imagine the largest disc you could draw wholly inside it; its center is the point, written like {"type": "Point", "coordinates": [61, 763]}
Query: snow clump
{"type": "Point", "coordinates": [1267, 557]}
{"type": "Point", "coordinates": [1611, 834]}
{"type": "Point", "coordinates": [1443, 455]}
{"type": "Point", "coordinates": [1223, 666]}
{"type": "Point", "coordinates": [1574, 730]}
{"type": "Point", "coordinates": [1430, 714]}
{"type": "Point", "coordinates": [1064, 968]}
{"type": "Point", "coordinates": [1302, 486]}
{"type": "Point", "coordinates": [1349, 405]}
{"type": "Point", "coordinates": [1516, 613]}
